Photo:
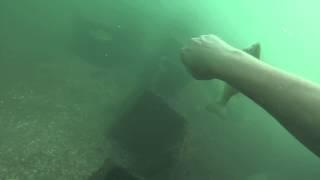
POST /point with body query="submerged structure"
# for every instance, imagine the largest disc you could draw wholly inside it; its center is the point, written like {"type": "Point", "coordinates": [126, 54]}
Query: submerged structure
{"type": "Point", "coordinates": [148, 137]}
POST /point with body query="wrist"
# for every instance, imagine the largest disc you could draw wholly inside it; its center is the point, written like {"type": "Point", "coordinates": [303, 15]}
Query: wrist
{"type": "Point", "coordinates": [228, 65]}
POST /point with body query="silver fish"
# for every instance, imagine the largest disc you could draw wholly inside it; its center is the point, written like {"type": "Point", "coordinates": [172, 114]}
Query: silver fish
{"type": "Point", "coordinates": [229, 91]}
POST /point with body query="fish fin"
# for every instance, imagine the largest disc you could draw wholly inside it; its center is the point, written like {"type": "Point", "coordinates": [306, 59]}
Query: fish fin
{"type": "Point", "coordinates": [219, 108]}
{"type": "Point", "coordinates": [254, 50]}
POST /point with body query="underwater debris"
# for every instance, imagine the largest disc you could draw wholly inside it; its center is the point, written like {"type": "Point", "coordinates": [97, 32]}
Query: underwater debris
{"type": "Point", "coordinates": [91, 39]}
{"type": "Point", "coordinates": [111, 171]}
{"type": "Point", "coordinates": [152, 133]}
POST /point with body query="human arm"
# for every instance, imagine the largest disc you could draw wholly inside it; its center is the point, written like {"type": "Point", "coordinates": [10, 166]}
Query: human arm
{"type": "Point", "coordinates": [292, 100]}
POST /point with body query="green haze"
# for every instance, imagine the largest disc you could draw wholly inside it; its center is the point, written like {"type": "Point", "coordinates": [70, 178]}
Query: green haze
{"type": "Point", "coordinates": [69, 67]}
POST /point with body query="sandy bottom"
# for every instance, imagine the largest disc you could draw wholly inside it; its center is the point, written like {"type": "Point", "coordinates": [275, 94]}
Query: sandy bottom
{"type": "Point", "coordinates": [53, 117]}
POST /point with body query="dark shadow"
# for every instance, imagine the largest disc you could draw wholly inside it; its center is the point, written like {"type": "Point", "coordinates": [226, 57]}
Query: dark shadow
{"type": "Point", "coordinates": [151, 132]}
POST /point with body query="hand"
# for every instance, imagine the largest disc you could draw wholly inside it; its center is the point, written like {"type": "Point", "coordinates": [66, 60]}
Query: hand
{"type": "Point", "coordinates": [205, 57]}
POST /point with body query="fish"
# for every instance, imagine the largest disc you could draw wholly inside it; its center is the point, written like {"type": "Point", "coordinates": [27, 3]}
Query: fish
{"type": "Point", "coordinates": [101, 35]}
{"type": "Point", "coordinates": [228, 92]}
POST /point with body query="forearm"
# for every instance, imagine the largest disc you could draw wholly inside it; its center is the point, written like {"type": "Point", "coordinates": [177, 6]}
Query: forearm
{"type": "Point", "coordinates": [294, 102]}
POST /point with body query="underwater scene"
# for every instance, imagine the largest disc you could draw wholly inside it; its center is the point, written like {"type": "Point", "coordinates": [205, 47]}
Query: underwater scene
{"type": "Point", "coordinates": [96, 90]}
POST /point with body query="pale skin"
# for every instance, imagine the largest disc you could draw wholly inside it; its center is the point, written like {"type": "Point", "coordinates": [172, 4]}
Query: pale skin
{"type": "Point", "coordinates": [292, 100]}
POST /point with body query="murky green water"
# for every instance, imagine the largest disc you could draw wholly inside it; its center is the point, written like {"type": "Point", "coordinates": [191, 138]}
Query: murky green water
{"type": "Point", "coordinates": [70, 69]}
